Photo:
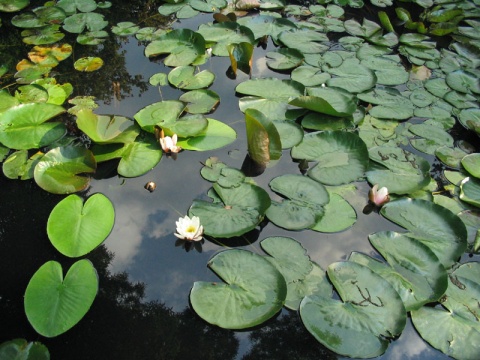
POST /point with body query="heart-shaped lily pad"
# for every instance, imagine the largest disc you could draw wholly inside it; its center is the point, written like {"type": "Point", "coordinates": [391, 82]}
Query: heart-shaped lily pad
{"type": "Point", "coordinates": [254, 291]}
{"type": "Point", "coordinates": [54, 304]}
{"type": "Point", "coordinates": [360, 325]}
{"type": "Point", "coordinates": [342, 157]}
{"type": "Point", "coordinates": [62, 170]}
{"type": "Point", "coordinates": [25, 126]}
{"type": "Point", "coordinates": [75, 228]}
{"type": "Point", "coordinates": [184, 77]}
{"type": "Point", "coordinates": [338, 215]}
{"type": "Point", "coordinates": [433, 225]}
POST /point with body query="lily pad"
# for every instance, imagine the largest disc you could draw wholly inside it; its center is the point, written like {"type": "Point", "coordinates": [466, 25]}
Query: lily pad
{"type": "Point", "coordinates": [352, 76]}
{"type": "Point", "coordinates": [431, 224]}
{"type": "Point", "coordinates": [241, 210]}
{"type": "Point", "coordinates": [54, 304]}
{"type": "Point", "coordinates": [75, 228]}
{"type": "Point", "coordinates": [455, 330]}
{"type": "Point", "coordinates": [329, 101]}
{"type": "Point", "coordinates": [91, 21]}
{"type": "Point", "coordinates": [20, 349]}
{"type": "Point", "coordinates": [184, 46]}
{"type": "Point", "coordinates": [262, 137]}
{"type": "Point", "coordinates": [470, 191]}
{"type": "Point", "coordinates": [388, 104]}
{"type": "Point", "coordinates": [433, 137]}
{"type": "Point", "coordinates": [370, 311]}
{"type": "Point", "coordinates": [414, 270]}
{"type": "Point", "coordinates": [88, 64]}
{"type": "Point", "coordinates": [184, 77]}
{"type": "Point", "coordinates": [164, 111]}
{"type": "Point", "coordinates": [107, 129]}
{"type": "Point", "coordinates": [401, 171]}
{"type": "Point", "coordinates": [13, 6]}
{"type": "Point", "coordinates": [284, 59]}
{"type": "Point", "coordinates": [25, 126]}
{"type": "Point", "coordinates": [216, 135]}
{"type": "Point", "coordinates": [339, 215]}
{"type": "Point", "coordinates": [225, 33]}
{"type": "Point", "coordinates": [341, 157]}
{"type": "Point", "coordinates": [471, 163]}
{"type": "Point", "coordinates": [246, 298]}
{"type": "Point", "coordinates": [62, 170]}
{"type": "Point", "coordinates": [304, 204]}
{"type": "Point", "coordinates": [200, 101]}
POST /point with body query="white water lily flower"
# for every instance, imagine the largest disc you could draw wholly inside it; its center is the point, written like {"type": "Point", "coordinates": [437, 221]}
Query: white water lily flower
{"type": "Point", "coordinates": [169, 144]}
{"type": "Point", "coordinates": [189, 229]}
{"type": "Point", "coordinates": [379, 197]}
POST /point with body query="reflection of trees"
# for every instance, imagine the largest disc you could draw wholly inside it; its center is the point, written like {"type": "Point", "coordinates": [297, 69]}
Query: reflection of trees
{"type": "Point", "coordinates": [120, 324]}
{"type": "Point", "coordinates": [286, 338]}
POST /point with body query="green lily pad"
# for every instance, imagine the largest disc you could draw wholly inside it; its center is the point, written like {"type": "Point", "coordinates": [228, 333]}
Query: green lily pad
{"type": "Point", "coordinates": [19, 165]}
{"type": "Point", "coordinates": [20, 349]}
{"type": "Point", "coordinates": [13, 6]}
{"type": "Point", "coordinates": [352, 76]}
{"type": "Point", "coordinates": [54, 304]}
{"type": "Point", "coordinates": [25, 126]}
{"type": "Point", "coordinates": [136, 158]}
{"type": "Point", "coordinates": [266, 25]}
{"type": "Point", "coordinates": [339, 215]}
{"type": "Point", "coordinates": [341, 157]}
{"type": "Point", "coordinates": [414, 270]}
{"type": "Point", "coordinates": [451, 157]}
{"type": "Point", "coordinates": [107, 129]}
{"type": "Point", "coordinates": [433, 137]}
{"type": "Point", "coordinates": [225, 33]}
{"type": "Point", "coordinates": [388, 70]}
{"type": "Point", "coordinates": [242, 210]}
{"type": "Point", "coordinates": [71, 7]}
{"type": "Point", "coordinates": [470, 119]}
{"type": "Point", "coordinates": [370, 312]}
{"type": "Point", "coordinates": [75, 228]}
{"type": "Point", "coordinates": [39, 17]}
{"type": "Point", "coordinates": [470, 191]}
{"type": "Point", "coordinates": [454, 331]}
{"type": "Point", "coordinates": [290, 133]}
{"type": "Point", "coordinates": [471, 163]}
{"type": "Point", "coordinates": [125, 28]}
{"type": "Point", "coordinates": [62, 170]}
{"type": "Point", "coordinates": [329, 101]}
{"type": "Point", "coordinates": [401, 171]}
{"type": "Point", "coordinates": [216, 135]}
{"type": "Point", "coordinates": [164, 111]}
{"type": "Point", "coordinates": [284, 59]}
{"type": "Point", "coordinates": [186, 126]}
{"type": "Point", "coordinates": [184, 77]}
{"type": "Point", "coordinates": [463, 81]}
{"type": "Point", "coordinates": [184, 46]}
{"type": "Point", "coordinates": [304, 204]}
{"type": "Point", "coordinates": [77, 23]}
{"type": "Point", "coordinates": [246, 298]}
{"type": "Point", "coordinates": [304, 40]}
{"type": "Point", "coordinates": [302, 276]}
{"type": "Point", "coordinates": [310, 75]}
{"type": "Point", "coordinates": [431, 224]}
{"type": "Point", "coordinates": [88, 64]}
{"type": "Point", "coordinates": [200, 101]}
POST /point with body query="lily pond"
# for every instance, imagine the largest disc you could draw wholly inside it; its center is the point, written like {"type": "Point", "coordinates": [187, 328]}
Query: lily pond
{"type": "Point", "coordinates": [258, 179]}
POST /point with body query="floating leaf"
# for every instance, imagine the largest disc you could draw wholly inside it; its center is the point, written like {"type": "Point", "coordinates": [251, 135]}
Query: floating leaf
{"type": "Point", "coordinates": [341, 157]}
{"type": "Point", "coordinates": [351, 76]}
{"type": "Point", "coordinates": [370, 312]}
{"type": "Point", "coordinates": [54, 304]}
{"type": "Point", "coordinates": [25, 126]}
{"type": "Point", "coordinates": [470, 191]}
{"type": "Point", "coordinates": [471, 163]}
{"type": "Point", "coordinates": [88, 64]}
{"type": "Point", "coordinates": [200, 101]}
{"type": "Point", "coordinates": [91, 21]}
{"type": "Point", "coordinates": [304, 204]}
{"type": "Point", "coordinates": [329, 101]}
{"type": "Point", "coordinates": [338, 215]}
{"type": "Point", "coordinates": [107, 129]}
{"type": "Point", "coordinates": [20, 349]}
{"type": "Point", "coordinates": [75, 228]}
{"type": "Point", "coordinates": [184, 77]}
{"type": "Point", "coordinates": [431, 224]}
{"type": "Point", "coordinates": [246, 298]}
{"type": "Point", "coordinates": [241, 57]}
{"type": "Point", "coordinates": [262, 137]}
{"type": "Point", "coordinates": [62, 170]}
{"type": "Point", "coordinates": [226, 34]}
{"type": "Point", "coordinates": [216, 135]}
{"type": "Point", "coordinates": [164, 111]}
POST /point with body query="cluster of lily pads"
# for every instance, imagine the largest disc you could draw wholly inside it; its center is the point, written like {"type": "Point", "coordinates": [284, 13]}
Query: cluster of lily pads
{"type": "Point", "coordinates": [342, 115]}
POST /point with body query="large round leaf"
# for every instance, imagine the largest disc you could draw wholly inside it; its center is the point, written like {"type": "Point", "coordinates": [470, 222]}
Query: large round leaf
{"type": "Point", "coordinates": [61, 170]}
{"type": "Point", "coordinates": [338, 215]}
{"type": "Point", "coordinates": [200, 101]}
{"type": "Point", "coordinates": [184, 77]}
{"type": "Point", "coordinates": [107, 129]}
{"type": "Point", "coordinates": [263, 138]}
{"type": "Point", "coordinates": [433, 225]}
{"type": "Point", "coordinates": [341, 157]}
{"type": "Point", "coordinates": [329, 101]}
{"type": "Point", "coordinates": [225, 33]}
{"type": "Point", "coordinates": [455, 332]}
{"type": "Point", "coordinates": [242, 210]}
{"type": "Point", "coordinates": [360, 325]}
{"type": "Point", "coordinates": [401, 171]}
{"type": "Point", "coordinates": [414, 271]}
{"type": "Point", "coordinates": [182, 45]}
{"type": "Point", "coordinates": [163, 111]}
{"type": "Point", "coordinates": [25, 126]}
{"type": "Point", "coordinates": [54, 304]}
{"type": "Point", "coordinates": [216, 135]}
{"type": "Point", "coordinates": [304, 206]}
{"type": "Point", "coordinates": [351, 76]}
{"type": "Point", "coordinates": [471, 163]}
{"type": "Point", "coordinates": [253, 291]}
{"type": "Point", "coordinates": [470, 191]}
{"type": "Point", "coordinates": [284, 59]}
{"type": "Point", "coordinates": [75, 228]}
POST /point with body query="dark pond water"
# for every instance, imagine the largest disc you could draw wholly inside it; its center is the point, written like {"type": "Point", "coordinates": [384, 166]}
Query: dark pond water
{"type": "Point", "coordinates": [142, 309]}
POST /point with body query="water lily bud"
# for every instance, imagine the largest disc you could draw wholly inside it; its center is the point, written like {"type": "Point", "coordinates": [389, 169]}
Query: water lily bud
{"type": "Point", "coordinates": [378, 197]}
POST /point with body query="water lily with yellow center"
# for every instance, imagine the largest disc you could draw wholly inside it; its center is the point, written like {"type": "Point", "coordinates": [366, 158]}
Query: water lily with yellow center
{"type": "Point", "coordinates": [169, 144]}
{"type": "Point", "coordinates": [189, 229]}
{"type": "Point", "coordinates": [378, 197]}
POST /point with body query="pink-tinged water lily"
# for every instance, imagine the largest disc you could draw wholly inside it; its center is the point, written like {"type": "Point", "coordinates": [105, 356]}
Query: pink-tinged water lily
{"type": "Point", "coordinates": [378, 197]}
{"type": "Point", "coordinates": [189, 229]}
{"type": "Point", "coordinates": [169, 144]}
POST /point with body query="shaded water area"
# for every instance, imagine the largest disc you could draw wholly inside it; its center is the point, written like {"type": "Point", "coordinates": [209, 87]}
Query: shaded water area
{"type": "Point", "coordinates": [142, 309]}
